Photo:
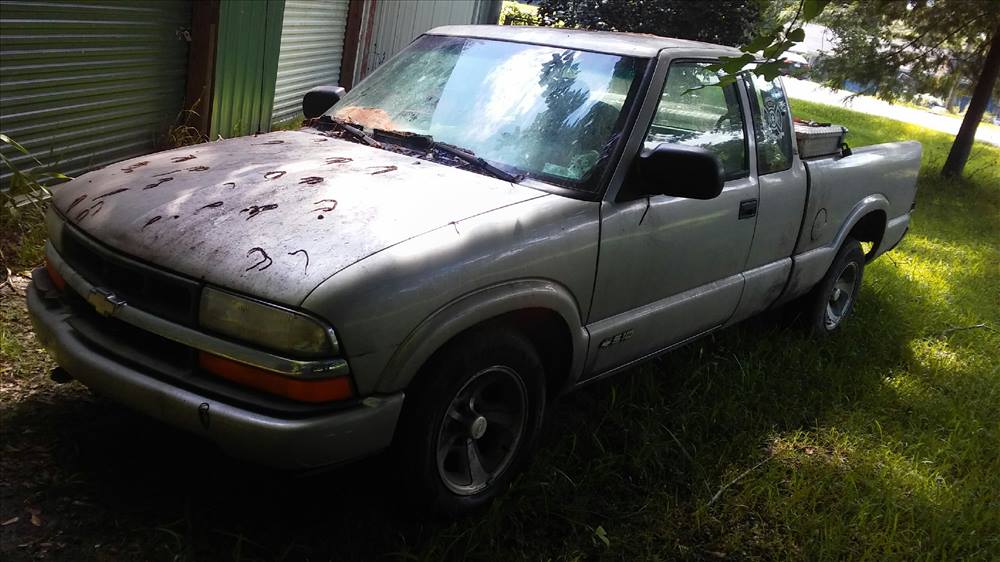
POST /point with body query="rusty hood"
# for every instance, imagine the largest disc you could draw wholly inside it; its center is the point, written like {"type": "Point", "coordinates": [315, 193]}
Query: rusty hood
{"type": "Point", "coordinates": [276, 214]}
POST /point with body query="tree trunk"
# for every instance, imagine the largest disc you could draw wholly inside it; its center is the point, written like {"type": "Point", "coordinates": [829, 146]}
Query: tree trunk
{"type": "Point", "coordinates": [962, 146]}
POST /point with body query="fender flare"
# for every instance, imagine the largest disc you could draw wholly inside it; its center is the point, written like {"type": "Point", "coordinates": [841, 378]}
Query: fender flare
{"type": "Point", "coordinates": [810, 266]}
{"type": "Point", "coordinates": [475, 308]}
{"type": "Point", "coordinates": [876, 202]}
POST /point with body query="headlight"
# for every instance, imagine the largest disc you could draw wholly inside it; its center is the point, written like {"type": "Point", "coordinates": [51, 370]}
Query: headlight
{"type": "Point", "coordinates": [266, 325]}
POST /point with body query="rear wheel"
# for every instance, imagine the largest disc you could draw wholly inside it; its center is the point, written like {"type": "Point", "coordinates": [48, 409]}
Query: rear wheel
{"type": "Point", "coordinates": [832, 300]}
{"type": "Point", "coordinates": [470, 420]}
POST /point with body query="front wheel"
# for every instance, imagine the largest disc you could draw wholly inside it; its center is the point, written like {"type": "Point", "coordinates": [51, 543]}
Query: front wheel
{"type": "Point", "coordinates": [832, 300]}
{"type": "Point", "coordinates": [470, 420]}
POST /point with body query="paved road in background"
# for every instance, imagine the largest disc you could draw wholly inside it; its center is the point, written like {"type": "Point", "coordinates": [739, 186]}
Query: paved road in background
{"type": "Point", "coordinates": [811, 91]}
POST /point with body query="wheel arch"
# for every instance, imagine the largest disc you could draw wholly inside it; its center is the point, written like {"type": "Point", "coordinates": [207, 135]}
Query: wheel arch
{"type": "Point", "coordinates": [545, 311]}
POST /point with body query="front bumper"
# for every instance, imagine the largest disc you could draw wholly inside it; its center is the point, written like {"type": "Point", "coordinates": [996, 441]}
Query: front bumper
{"type": "Point", "coordinates": [320, 440]}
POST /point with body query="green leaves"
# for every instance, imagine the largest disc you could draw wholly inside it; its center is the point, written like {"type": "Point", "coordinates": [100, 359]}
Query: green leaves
{"type": "Point", "coordinates": [812, 8]}
{"type": "Point", "coordinates": [797, 35]}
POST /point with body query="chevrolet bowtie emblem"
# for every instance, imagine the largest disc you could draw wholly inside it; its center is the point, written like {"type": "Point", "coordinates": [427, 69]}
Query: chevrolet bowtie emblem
{"type": "Point", "coordinates": [104, 302]}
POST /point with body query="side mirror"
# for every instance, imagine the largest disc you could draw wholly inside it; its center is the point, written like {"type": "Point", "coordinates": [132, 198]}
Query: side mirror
{"type": "Point", "coordinates": [680, 171]}
{"type": "Point", "coordinates": [319, 99]}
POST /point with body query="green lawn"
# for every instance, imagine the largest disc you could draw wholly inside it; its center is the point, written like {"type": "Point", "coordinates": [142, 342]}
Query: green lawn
{"type": "Point", "coordinates": [882, 443]}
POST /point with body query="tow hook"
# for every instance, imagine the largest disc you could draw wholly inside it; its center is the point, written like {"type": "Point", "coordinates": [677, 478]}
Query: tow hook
{"type": "Point", "coordinates": [60, 376]}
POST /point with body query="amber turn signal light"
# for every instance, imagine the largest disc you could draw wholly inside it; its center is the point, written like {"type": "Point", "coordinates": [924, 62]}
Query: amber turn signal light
{"type": "Point", "coordinates": [302, 390]}
{"type": "Point", "coordinates": [57, 279]}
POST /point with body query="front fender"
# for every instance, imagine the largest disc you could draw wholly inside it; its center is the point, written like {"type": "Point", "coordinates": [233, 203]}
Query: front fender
{"type": "Point", "coordinates": [475, 308]}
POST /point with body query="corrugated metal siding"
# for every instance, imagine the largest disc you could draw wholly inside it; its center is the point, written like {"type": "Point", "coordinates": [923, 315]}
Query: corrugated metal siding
{"type": "Point", "coordinates": [87, 83]}
{"type": "Point", "coordinates": [312, 45]}
{"type": "Point", "coordinates": [246, 63]}
{"type": "Point", "coordinates": [398, 22]}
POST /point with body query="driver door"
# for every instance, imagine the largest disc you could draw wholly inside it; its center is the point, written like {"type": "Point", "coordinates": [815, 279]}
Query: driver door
{"type": "Point", "coordinates": [670, 268]}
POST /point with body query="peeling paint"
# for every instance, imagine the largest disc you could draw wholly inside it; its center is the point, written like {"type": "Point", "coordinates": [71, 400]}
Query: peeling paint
{"type": "Point", "coordinates": [198, 169]}
{"type": "Point", "coordinates": [158, 182]}
{"type": "Point", "coordinates": [209, 206]}
{"type": "Point", "coordinates": [254, 210]}
{"type": "Point", "coordinates": [180, 159]}
{"type": "Point", "coordinates": [76, 202]}
{"type": "Point", "coordinates": [151, 221]}
{"type": "Point", "coordinates": [311, 180]}
{"type": "Point", "coordinates": [273, 175]}
{"type": "Point", "coordinates": [110, 193]}
{"type": "Point", "coordinates": [325, 209]}
{"type": "Point", "coordinates": [383, 169]}
{"type": "Point", "coordinates": [339, 160]}
{"type": "Point", "coordinates": [270, 142]}
{"type": "Point", "coordinates": [305, 269]}
{"type": "Point", "coordinates": [265, 260]}
{"type": "Point", "coordinates": [131, 168]}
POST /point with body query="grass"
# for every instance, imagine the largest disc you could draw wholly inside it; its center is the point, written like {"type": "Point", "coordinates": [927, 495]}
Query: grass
{"type": "Point", "coordinates": [756, 444]}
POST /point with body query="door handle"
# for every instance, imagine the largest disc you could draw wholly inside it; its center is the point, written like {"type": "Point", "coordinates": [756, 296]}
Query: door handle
{"type": "Point", "coordinates": [748, 209]}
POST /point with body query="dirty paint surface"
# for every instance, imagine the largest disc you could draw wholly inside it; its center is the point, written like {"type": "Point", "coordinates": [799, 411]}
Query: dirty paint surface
{"type": "Point", "coordinates": [273, 215]}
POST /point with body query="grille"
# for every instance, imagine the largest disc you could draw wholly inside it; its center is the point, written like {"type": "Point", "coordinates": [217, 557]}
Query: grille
{"type": "Point", "coordinates": [160, 293]}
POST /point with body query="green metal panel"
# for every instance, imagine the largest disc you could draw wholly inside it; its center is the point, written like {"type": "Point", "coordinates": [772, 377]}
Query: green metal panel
{"type": "Point", "coordinates": [86, 83]}
{"type": "Point", "coordinates": [312, 45]}
{"type": "Point", "coordinates": [246, 64]}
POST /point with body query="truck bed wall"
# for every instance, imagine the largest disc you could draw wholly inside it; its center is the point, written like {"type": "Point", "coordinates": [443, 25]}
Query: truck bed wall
{"type": "Point", "coordinates": [844, 189]}
{"type": "Point", "coordinates": [880, 177]}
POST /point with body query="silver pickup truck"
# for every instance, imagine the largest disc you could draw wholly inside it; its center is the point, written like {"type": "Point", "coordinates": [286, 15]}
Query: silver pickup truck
{"type": "Point", "coordinates": [494, 217]}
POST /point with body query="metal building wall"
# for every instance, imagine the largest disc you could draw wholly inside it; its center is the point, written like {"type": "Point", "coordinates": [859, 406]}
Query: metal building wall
{"type": "Point", "coordinates": [246, 64]}
{"type": "Point", "coordinates": [398, 22]}
{"type": "Point", "coordinates": [85, 83]}
{"type": "Point", "coordinates": [312, 46]}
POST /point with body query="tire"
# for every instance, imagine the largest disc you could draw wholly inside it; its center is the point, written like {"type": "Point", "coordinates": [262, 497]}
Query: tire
{"type": "Point", "coordinates": [831, 301]}
{"type": "Point", "coordinates": [470, 421]}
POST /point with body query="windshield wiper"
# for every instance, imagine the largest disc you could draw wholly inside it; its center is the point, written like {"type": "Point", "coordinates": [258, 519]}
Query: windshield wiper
{"type": "Point", "coordinates": [350, 129]}
{"type": "Point", "coordinates": [427, 144]}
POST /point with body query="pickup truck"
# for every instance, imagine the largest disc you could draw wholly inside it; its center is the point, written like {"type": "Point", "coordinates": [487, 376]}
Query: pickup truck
{"type": "Point", "coordinates": [492, 218]}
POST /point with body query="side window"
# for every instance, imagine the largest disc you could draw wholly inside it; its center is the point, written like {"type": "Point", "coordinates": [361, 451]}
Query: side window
{"type": "Point", "coordinates": [771, 124]}
{"type": "Point", "coordinates": [695, 110]}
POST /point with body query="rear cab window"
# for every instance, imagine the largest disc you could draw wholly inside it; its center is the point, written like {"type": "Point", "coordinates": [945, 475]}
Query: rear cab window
{"type": "Point", "coordinates": [772, 127]}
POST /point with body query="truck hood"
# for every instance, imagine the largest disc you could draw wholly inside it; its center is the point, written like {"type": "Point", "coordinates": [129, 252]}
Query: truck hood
{"type": "Point", "coordinates": [276, 214]}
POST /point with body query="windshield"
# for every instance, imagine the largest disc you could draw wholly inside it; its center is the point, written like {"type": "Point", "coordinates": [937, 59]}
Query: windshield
{"type": "Point", "coordinates": [536, 111]}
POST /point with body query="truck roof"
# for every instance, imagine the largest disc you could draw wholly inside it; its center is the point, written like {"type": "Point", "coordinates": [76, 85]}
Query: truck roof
{"type": "Point", "coordinates": [628, 44]}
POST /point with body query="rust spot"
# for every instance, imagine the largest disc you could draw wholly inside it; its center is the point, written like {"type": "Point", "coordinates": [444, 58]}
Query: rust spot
{"type": "Point", "coordinates": [158, 182]}
{"type": "Point", "coordinates": [269, 142]}
{"type": "Point", "coordinates": [274, 175]}
{"type": "Point", "coordinates": [76, 202]}
{"type": "Point", "coordinates": [265, 260]}
{"type": "Point", "coordinates": [305, 270]}
{"type": "Point", "coordinates": [110, 193]}
{"type": "Point", "coordinates": [254, 210]}
{"type": "Point", "coordinates": [151, 221]}
{"type": "Point", "coordinates": [209, 206]}
{"type": "Point", "coordinates": [383, 169]}
{"type": "Point", "coordinates": [180, 159]}
{"type": "Point", "coordinates": [311, 180]}
{"type": "Point", "coordinates": [134, 167]}
{"type": "Point", "coordinates": [326, 208]}
{"type": "Point", "coordinates": [165, 173]}
{"type": "Point", "coordinates": [198, 169]}
{"type": "Point", "coordinates": [339, 160]}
